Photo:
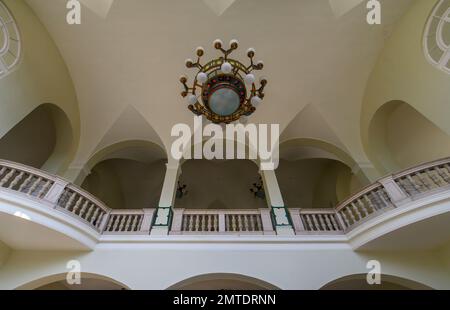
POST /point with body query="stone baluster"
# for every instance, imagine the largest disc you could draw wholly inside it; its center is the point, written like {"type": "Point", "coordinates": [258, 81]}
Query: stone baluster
{"type": "Point", "coordinates": [334, 224]}
{"type": "Point", "coordinates": [16, 180]}
{"type": "Point", "coordinates": [94, 217]}
{"type": "Point", "coordinates": [328, 224]}
{"type": "Point", "coordinates": [128, 224]}
{"type": "Point", "coordinates": [7, 177]}
{"type": "Point", "coordinates": [83, 209]}
{"type": "Point", "coordinates": [25, 183]}
{"type": "Point", "coordinates": [321, 222]}
{"type": "Point", "coordinates": [116, 223]}
{"type": "Point", "coordinates": [34, 186]}
{"type": "Point", "coordinates": [77, 205]}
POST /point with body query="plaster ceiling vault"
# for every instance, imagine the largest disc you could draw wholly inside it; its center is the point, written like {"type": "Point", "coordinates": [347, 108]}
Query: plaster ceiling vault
{"type": "Point", "coordinates": [127, 55]}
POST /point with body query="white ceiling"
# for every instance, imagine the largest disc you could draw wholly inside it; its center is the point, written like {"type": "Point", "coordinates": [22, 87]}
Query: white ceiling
{"type": "Point", "coordinates": [131, 53]}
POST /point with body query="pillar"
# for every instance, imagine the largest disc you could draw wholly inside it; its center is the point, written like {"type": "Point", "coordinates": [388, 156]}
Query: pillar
{"type": "Point", "coordinates": [280, 214]}
{"type": "Point", "coordinates": [164, 212]}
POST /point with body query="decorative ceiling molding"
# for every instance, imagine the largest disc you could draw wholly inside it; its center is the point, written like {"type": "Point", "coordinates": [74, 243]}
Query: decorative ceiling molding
{"type": "Point", "coordinates": [342, 7]}
{"type": "Point", "coordinates": [219, 6]}
{"type": "Point", "coordinates": [99, 7]}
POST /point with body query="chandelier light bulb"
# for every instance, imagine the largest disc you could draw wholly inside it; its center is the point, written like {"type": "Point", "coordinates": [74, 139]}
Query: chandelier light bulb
{"type": "Point", "coordinates": [255, 101]}
{"type": "Point", "coordinates": [189, 62]}
{"type": "Point", "coordinates": [218, 43]}
{"type": "Point", "coordinates": [226, 68]}
{"type": "Point", "coordinates": [249, 79]}
{"type": "Point", "coordinates": [200, 51]}
{"type": "Point", "coordinates": [192, 99]}
{"type": "Point", "coordinates": [234, 44]}
{"type": "Point", "coordinates": [202, 77]}
{"type": "Point", "coordinates": [251, 52]}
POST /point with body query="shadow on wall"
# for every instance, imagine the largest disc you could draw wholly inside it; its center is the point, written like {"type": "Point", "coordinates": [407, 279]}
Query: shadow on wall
{"type": "Point", "coordinates": [401, 137]}
{"type": "Point", "coordinates": [127, 175]}
{"type": "Point", "coordinates": [219, 184]}
{"type": "Point", "coordinates": [43, 139]}
{"type": "Point", "coordinates": [126, 184]}
{"type": "Point", "coordinates": [314, 183]}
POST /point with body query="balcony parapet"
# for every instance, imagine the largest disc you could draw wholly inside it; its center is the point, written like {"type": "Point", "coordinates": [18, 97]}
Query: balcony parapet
{"type": "Point", "coordinates": [391, 192]}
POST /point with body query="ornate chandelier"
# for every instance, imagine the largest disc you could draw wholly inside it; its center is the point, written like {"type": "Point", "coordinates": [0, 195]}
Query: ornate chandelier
{"type": "Point", "coordinates": [224, 89]}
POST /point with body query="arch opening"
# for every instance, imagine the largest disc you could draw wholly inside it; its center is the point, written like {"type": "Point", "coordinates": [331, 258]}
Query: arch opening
{"type": "Point", "coordinates": [89, 281]}
{"type": "Point", "coordinates": [388, 282]}
{"type": "Point", "coordinates": [401, 137]}
{"type": "Point", "coordinates": [128, 175]}
{"type": "Point", "coordinates": [43, 139]}
{"type": "Point", "coordinates": [316, 174]}
{"type": "Point", "coordinates": [222, 281]}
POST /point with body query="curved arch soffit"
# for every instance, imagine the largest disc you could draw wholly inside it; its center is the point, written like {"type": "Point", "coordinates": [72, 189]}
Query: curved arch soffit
{"type": "Point", "coordinates": [401, 281]}
{"type": "Point", "coordinates": [223, 276]}
{"type": "Point", "coordinates": [335, 152]}
{"type": "Point", "coordinates": [110, 151]}
{"type": "Point", "coordinates": [40, 282]}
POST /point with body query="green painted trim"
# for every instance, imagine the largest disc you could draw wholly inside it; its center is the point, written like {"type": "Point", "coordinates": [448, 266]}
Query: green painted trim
{"type": "Point", "coordinates": [169, 218]}
{"type": "Point", "coordinates": [274, 219]}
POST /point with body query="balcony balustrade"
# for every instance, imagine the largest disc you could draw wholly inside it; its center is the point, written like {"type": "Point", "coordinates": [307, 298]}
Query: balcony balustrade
{"type": "Point", "coordinates": [391, 192]}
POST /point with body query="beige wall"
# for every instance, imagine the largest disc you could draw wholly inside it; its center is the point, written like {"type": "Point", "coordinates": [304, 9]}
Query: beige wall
{"type": "Point", "coordinates": [403, 74]}
{"type": "Point", "coordinates": [413, 139]}
{"type": "Point", "coordinates": [41, 77]}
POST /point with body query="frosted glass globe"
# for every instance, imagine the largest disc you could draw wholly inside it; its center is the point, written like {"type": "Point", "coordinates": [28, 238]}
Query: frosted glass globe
{"type": "Point", "coordinates": [226, 68]}
{"type": "Point", "coordinates": [249, 79]}
{"type": "Point", "coordinates": [192, 99]}
{"type": "Point", "coordinates": [255, 101]}
{"type": "Point", "coordinates": [202, 77]}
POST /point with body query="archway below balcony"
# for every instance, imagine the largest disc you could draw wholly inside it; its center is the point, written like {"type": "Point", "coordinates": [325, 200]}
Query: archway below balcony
{"type": "Point", "coordinates": [388, 282]}
{"type": "Point", "coordinates": [223, 281]}
{"type": "Point", "coordinates": [127, 175]}
{"type": "Point", "coordinates": [43, 139]}
{"type": "Point", "coordinates": [316, 174]}
{"type": "Point", "coordinates": [89, 281]}
{"type": "Point", "coordinates": [401, 137]}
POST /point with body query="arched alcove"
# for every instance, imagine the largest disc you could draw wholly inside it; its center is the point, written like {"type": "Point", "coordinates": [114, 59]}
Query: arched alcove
{"type": "Point", "coordinates": [316, 174]}
{"type": "Point", "coordinates": [43, 139]}
{"type": "Point", "coordinates": [359, 282]}
{"type": "Point", "coordinates": [127, 175]}
{"type": "Point", "coordinates": [401, 137]}
{"type": "Point", "coordinates": [314, 182]}
{"type": "Point", "coordinates": [219, 184]}
{"type": "Point", "coordinates": [89, 281]}
{"type": "Point", "coordinates": [223, 281]}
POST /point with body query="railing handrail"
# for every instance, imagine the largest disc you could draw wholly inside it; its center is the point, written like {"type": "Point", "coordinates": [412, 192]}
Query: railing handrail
{"type": "Point", "coordinates": [421, 167]}
{"type": "Point", "coordinates": [28, 169]}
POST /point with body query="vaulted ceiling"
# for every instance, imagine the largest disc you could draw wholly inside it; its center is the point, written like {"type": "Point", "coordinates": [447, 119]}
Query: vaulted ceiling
{"type": "Point", "coordinates": [127, 55]}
